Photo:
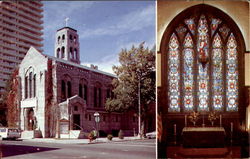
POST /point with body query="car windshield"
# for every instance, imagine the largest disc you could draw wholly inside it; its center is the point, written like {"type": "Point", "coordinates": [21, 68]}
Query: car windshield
{"type": "Point", "coordinates": [2, 129]}
{"type": "Point", "coordinates": [13, 130]}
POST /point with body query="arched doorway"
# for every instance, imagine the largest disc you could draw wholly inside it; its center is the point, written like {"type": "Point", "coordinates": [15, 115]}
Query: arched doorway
{"type": "Point", "coordinates": [202, 53]}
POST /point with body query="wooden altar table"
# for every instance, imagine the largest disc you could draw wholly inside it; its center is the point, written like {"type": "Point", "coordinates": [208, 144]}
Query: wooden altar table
{"type": "Point", "coordinates": [203, 136]}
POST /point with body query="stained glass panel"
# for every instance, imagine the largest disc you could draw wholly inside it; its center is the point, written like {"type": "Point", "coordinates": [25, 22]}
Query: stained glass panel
{"type": "Point", "coordinates": [188, 53]}
{"type": "Point", "coordinates": [217, 74]}
{"type": "Point", "coordinates": [174, 74]}
{"type": "Point", "coordinates": [203, 65]}
{"type": "Point", "coordinates": [232, 74]}
{"type": "Point", "coordinates": [202, 54]}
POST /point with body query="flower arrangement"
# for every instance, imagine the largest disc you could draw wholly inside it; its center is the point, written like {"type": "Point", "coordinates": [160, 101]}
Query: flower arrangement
{"type": "Point", "coordinates": [193, 117]}
{"type": "Point", "coordinates": [212, 117]}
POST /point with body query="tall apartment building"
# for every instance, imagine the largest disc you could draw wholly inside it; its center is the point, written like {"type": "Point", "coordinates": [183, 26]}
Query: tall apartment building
{"type": "Point", "coordinates": [20, 27]}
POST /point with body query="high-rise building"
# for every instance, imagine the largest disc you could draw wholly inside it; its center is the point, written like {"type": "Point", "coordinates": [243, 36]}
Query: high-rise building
{"type": "Point", "coordinates": [20, 27]}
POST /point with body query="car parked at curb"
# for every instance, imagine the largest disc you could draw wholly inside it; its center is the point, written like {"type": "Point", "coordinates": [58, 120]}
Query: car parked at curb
{"type": "Point", "coordinates": [151, 135]}
{"type": "Point", "coordinates": [9, 133]}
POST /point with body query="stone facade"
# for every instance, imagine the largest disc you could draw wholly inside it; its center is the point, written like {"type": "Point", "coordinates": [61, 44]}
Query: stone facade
{"type": "Point", "coordinates": [60, 95]}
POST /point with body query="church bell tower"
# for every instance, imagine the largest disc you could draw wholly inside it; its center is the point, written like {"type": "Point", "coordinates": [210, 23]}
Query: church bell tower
{"type": "Point", "coordinates": [67, 45]}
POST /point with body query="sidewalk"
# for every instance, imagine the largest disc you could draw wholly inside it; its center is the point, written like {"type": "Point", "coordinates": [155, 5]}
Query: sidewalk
{"type": "Point", "coordinates": [79, 141]}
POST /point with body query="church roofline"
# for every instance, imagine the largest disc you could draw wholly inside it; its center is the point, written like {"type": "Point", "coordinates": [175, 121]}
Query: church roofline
{"type": "Point", "coordinates": [67, 28]}
{"type": "Point", "coordinates": [81, 66]}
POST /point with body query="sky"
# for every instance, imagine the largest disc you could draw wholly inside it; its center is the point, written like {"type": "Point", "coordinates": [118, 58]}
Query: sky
{"type": "Point", "coordinates": [104, 27]}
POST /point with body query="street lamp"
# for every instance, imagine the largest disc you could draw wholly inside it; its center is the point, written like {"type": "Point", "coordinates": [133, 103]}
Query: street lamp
{"type": "Point", "coordinates": [97, 120]}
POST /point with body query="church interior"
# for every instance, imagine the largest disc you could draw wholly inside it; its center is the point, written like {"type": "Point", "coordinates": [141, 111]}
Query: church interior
{"type": "Point", "coordinates": [203, 79]}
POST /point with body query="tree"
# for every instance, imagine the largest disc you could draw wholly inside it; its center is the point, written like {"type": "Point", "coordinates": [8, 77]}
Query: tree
{"type": "Point", "coordinates": [12, 100]}
{"type": "Point", "coordinates": [134, 86]}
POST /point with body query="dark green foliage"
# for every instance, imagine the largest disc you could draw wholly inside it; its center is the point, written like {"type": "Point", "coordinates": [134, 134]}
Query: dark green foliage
{"type": "Point", "coordinates": [137, 65]}
{"type": "Point", "coordinates": [110, 137]}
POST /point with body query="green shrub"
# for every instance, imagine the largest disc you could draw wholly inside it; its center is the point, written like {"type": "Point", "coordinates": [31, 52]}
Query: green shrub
{"type": "Point", "coordinates": [92, 135]}
{"type": "Point", "coordinates": [109, 137]}
{"type": "Point", "coordinates": [120, 134]}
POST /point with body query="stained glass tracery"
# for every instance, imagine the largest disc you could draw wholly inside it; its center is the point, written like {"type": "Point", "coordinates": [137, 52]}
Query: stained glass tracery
{"type": "Point", "coordinates": [197, 71]}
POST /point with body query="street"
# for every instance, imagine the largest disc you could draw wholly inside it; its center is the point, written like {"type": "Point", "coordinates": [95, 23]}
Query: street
{"type": "Point", "coordinates": [137, 149]}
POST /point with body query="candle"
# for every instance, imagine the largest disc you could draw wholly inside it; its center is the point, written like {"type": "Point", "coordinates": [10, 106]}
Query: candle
{"type": "Point", "coordinates": [174, 129]}
{"type": "Point", "coordinates": [220, 120]}
{"type": "Point", "coordinates": [185, 120]}
{"type": "Point", "coordinates": [232, 126]}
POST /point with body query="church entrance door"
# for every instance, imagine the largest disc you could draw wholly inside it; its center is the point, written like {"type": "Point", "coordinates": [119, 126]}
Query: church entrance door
{"type": "Point", "coordinates": [30, 118]}
{"type": "Point", "coordinates": [76, 122]}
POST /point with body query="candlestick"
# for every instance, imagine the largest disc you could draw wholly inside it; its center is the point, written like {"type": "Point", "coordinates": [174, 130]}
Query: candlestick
{"type": "Point", "coordinates": [174, 129]}
{"type": "Point", "coordinates": [232, 126]}
{"type": "Point", "coordinates": [185, 120]}
{"type": "Point", "coordinates": [220, 120]}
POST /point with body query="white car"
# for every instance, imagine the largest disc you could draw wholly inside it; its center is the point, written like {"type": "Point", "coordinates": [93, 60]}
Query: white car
{"type": "Point", "coordinates": [151, 135]}
{"type": "Point", "coordinates": [9, 133]}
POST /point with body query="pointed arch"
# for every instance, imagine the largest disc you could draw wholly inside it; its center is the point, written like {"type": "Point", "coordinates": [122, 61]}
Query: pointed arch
{"type": "Point", "coordinates": [196, 48]}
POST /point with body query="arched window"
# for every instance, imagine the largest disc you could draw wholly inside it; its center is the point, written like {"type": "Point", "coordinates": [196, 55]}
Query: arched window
{"type": "Point", "coordinates": [85, 93]}
{"type": "Point", "coordinates": [95, 97]}
{"type": "Point", "coordinates": [74, 39]}
{"type": "Point", "coordinates": [63, 38]}
{"type": "Point", "coordinates": [80, 90]}
{"type": "Point", "coordinates": [108, 93]}
{"type": "Point", "coordinates": [63, 52]}
{"type": "Point", "coordinates": [58, 53]}
{"type": "Point", "coordinates": [75, 53]}
{"type": "Point", "coordinates": [63, 90]}
{"type": "Point", "coordinates": [100, 97]}
{"type": "Point", "coordinates": [30, 84]}
{"type": "Point", "coordinates": [71, 56]}
{"type": "Point", "coordinates": [58, 39]}
{"type": "Point", "coordinates": [34, 86]}
{"type": "Point", "coordinates": [69, 88]}
{"type": "Point", "coordinates": [70, 37]}
{"type": "Point", "coordinates": [26, 87]}
{"type": "Point", "coordinates": [202, 56]}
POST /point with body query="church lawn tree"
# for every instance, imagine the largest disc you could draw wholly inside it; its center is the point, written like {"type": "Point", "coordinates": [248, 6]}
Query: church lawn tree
{"type": "Point", "coordinates": [134, 87]}
{"type": "Point", "coordinates": [12, 100]}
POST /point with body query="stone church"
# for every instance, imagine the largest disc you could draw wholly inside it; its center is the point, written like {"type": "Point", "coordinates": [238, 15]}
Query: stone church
{"type": "Point", "coordinates": [203, 65]}
{"type": "Point", "coordinates": [59, 96]}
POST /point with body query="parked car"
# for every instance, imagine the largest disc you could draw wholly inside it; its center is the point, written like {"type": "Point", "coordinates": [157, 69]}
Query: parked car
{"type": "Point", "coordinates": [9, 133]}
{"type": "Point", "coordinates": [151, 135]}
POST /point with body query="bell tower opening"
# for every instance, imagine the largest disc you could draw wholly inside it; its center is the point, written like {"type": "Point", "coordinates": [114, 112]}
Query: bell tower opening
{"type": "Point", "coordinates": [67, 45]}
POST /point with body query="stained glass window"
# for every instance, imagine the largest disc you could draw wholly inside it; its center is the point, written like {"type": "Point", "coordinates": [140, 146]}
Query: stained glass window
{"type": "Point", "coordinates": [188, 54]}
{"type": "Point", "coordinates": [217, 75]}
{"type": "Point", "coordinates": [174, 73]}
{"type": "Point", "coordinates": [202, 66]}
{"type": "Point", "coordinates": [232, 74]}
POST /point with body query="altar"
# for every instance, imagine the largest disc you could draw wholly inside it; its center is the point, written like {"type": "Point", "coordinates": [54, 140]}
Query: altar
{"type": "Point", "coordinates": [203, 136]}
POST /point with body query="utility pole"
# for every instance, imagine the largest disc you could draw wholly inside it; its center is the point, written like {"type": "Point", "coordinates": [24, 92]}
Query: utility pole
{"type": "Point", "coordinates": [139, 105]}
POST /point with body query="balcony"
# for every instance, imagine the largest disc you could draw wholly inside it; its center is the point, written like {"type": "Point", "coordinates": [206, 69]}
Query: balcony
{"type": "Point", "coordinates": [31, 6]}
{"type": "Point", "coordinates": [22, 13]}
{"type": "Point", "coordinates": [24, 5]}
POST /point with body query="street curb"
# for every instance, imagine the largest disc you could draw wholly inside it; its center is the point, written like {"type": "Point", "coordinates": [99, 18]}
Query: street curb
{"type": "Point", "coordinates": [78, 141]}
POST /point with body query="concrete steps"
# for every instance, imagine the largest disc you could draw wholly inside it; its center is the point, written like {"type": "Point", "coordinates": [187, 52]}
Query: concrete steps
{"type": "Point", "coordinates": [27, 134]}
